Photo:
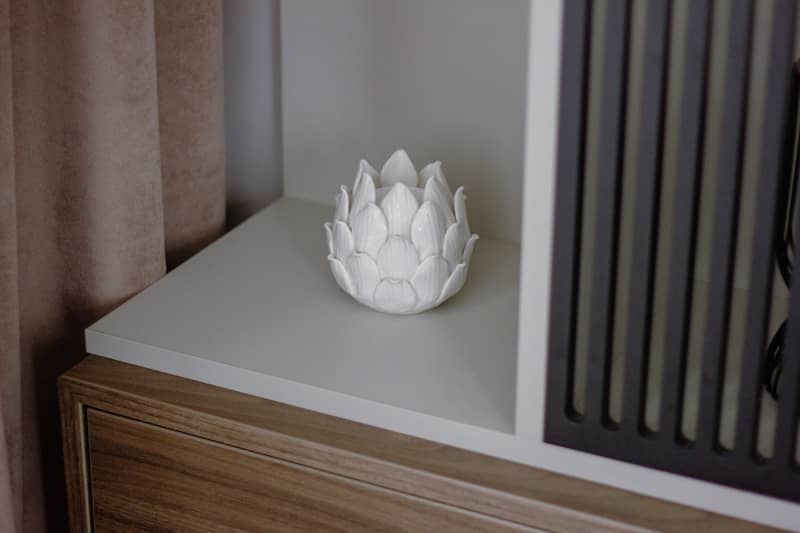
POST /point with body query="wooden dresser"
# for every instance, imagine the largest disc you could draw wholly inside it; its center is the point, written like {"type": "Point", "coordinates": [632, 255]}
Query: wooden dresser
{"type": "Point", "coordinates": [150, 451]}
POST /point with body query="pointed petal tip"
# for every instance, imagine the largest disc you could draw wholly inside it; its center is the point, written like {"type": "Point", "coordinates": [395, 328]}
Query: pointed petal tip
{"type": "Point", "coordinates": [399, 169]}
{"type": "Point", "coordinates": [469, 247]}
{"type": "Point", "coordinates": [428, 228]}
{"type": "Point", "coordinates": [437, 192]}
{"type": "Point", "coordinates": [370, 229]}
{"type": "Point", "coordinates": [454, 283]}
{"type": "Point", "coordinates": [340, 274]}
{"type": "Point", "coordinates": [342, 239]}
{"type": "Point", "coordinates": [365, 168]}
{"type": "Point", "coordinates": [455, 238]}
{"type": "Point", "coordinates": [363, 194]}
{"type": "Point", "coordinates": [429, 279]}
{"type": "Point", "coordinates": [400, 186]}
{"type": "Point", "coordinates": [342, 204]}
{"type": "Point", "coordinates": [399, 206]}
{"type": "Point", "coordinates": [460, 207]}
{"type": "Point", "coordinates": [437, 174]}
{"type": "Point", "coordinates": [431, 170]}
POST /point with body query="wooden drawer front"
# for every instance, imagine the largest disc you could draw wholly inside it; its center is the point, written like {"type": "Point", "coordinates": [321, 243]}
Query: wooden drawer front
{"type": "Point", "coordinates": [144, 477]}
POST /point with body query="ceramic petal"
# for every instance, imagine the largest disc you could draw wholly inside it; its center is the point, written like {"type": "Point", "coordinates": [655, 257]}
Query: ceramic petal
{"type": "Point", "coordinates": [395, 296]}
{"type": "Point", "coordinates": [468, 248]}
{"type": "Point", "coordinates": [365, 168]}
{"type": "Point", "coordinates": [429, 279]}
{"type": "Point", "coordinates": [436, 192]}
{"type": "Point", "coordinates": [363, 194]}
{"type": "Point", "coordinates": [454, 240]}
{"type": "Point", "coordinates": [400, 241]}
{"type": "Point", "coordinates": [399, 206]}
{"type": "Point", "coordinates": [397, 258]}
{"type": "Point", "coordinates": [429, 171]}
{"type": "Point", "coordinates": [381, 193]}
{"type": "Point", "coordinates": [342, 241]}
{"type": "Point", "coordinates": [342, 205]}
{"type": "Point", "coordinates": [440, 177]}
{"type": "Point", "coordinates": [329, 236]}
{"type": "Point", "coordinates": [453, 283]}
{"type": "Point", "coordinates": [416, 192]}
{"type": "Point", "coordinates": [427, 230]}
{"type": "Point", "coordinates": [399, 169]}
{"type": "Point", "coordinates": [340, 274]}
{"type": "Point", "coordinates": [364, 275]}
{"type": "Point", "coordinates": [459, 205]}
{"type": "Point", "coordinates": [461, 208]}
{"type": "Point", "coordinates": [369, 230]}
{"type": "Point", "coordinates": [434, 170]}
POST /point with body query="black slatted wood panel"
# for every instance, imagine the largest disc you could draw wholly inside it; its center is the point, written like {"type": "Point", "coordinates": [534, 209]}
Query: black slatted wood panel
{"type": "Point", "coordinates": [592, 430]}
{"type": "Point", "coordinates": [645, 229]}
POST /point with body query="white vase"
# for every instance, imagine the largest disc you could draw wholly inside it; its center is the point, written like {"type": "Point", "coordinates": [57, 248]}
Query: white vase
{"type": "Point", "coordinates": [400, 242]}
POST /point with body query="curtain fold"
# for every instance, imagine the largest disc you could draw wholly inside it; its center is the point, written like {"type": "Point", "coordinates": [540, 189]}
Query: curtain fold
{"type": "Point", "coordinates": [111, 168]}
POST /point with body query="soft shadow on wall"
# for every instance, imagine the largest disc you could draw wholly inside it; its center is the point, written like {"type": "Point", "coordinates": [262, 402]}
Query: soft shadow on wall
{"type": "Point", "coordinates": [252, 106]}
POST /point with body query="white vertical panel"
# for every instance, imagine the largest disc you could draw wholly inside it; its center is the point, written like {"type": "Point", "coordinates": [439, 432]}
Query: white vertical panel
{"type": "Point", "coordinates": [537, 223]}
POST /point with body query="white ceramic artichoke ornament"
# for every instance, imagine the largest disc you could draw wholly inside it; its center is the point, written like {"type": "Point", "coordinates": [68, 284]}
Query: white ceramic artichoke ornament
{"type": "Point", "coordinates": [400, 243]}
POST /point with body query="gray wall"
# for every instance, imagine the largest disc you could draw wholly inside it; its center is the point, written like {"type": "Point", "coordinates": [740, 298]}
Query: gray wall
{"type": "Point", "coordinates": [252, 105]}
{"type": "Point", "coordinates": [445, 79]}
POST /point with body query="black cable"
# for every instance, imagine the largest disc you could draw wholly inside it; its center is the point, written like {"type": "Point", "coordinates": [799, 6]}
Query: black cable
{"type": "Point", "coordinates": [773, 361]}
{"type": "Point", "coordinates": [784, 235]}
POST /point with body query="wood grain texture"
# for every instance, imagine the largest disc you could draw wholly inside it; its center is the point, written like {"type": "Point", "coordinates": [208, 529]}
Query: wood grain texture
{"type": "Point", "coordinates": [410, 465]}
{"type": "Point", "coordinates": [73, 432]}
{"type": "Point", "coordinates": [147, 478]}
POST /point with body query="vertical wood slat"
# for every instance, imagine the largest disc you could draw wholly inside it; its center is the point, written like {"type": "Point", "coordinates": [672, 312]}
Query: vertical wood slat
{"type": "Point", "coordinates": [725, 223]}
{"type": "Point", "coordinates": [569, 204]}
{"type": "Point", "coordinates": [646, 211]}
{"type": "Point", "coordinates": [606, 224]}
{"type": "Point", "coordinates": [684, 221]}
{"type": "Point", "coordinates": [760, 283]}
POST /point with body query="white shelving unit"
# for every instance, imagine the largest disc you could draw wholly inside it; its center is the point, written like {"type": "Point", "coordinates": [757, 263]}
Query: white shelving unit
{"type": "Point", "coordinates": [258, 311]}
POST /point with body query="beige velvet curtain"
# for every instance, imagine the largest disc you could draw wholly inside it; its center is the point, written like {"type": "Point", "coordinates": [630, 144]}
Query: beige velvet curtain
{"type": "Point", "coordinates": [111, 170]}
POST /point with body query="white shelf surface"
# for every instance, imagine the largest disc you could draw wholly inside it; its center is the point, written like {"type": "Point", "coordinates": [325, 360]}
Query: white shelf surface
{"type": "Point", "coordinates": [258, 311]}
